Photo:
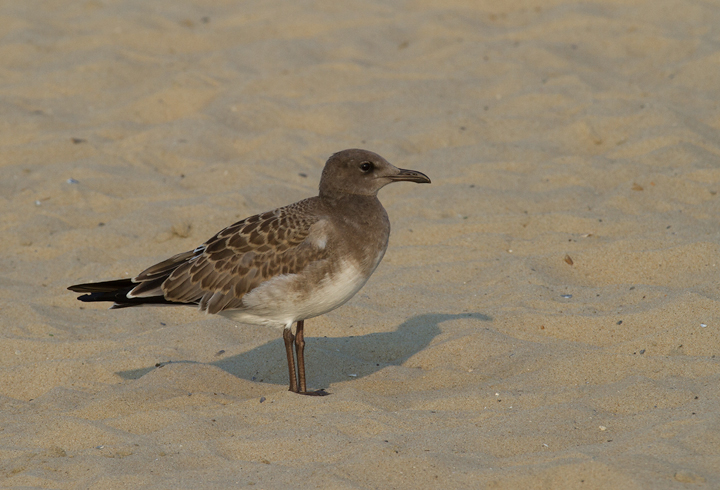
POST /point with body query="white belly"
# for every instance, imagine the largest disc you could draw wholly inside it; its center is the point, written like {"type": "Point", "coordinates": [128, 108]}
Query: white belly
{"type": "Point", "coordinates": [285, 299]}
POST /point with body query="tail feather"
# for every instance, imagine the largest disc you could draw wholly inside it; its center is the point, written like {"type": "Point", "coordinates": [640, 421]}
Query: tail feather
{"type": "Point", "coordinates": [117, 293]}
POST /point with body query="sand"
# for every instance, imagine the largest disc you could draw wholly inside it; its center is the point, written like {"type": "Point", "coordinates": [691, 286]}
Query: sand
{"type": "Point", "coordinates": [547, 315]}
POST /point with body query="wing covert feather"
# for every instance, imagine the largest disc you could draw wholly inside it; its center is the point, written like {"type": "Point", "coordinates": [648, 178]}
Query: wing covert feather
{"type": "Point", "coordinates": [242, 256]}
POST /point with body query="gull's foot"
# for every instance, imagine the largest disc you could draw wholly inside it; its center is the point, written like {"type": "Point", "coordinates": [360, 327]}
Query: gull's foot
{"type": "Point", "coordinates": [314, 393]}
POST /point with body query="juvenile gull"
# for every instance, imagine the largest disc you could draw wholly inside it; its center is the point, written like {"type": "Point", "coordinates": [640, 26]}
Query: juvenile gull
{"type": "Point", "coordinates": [280, 267]}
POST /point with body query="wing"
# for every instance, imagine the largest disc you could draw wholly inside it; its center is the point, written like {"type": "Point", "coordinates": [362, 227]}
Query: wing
{"type": "Point", "coordinates": [217, 274]}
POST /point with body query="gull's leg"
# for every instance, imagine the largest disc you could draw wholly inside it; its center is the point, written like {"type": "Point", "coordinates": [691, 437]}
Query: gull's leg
{"type": "Point", "coordinates": [300, 351]}
{"type": "Point", "coordinates": [289, 338]}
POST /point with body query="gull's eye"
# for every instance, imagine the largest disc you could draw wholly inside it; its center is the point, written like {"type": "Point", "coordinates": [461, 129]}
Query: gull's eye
{"type": "Point", "coordinates": [366, 167]}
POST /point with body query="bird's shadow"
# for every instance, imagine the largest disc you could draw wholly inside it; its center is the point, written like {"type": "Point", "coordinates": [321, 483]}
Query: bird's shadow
{"type": "Point", "coordinates": [333, 359]}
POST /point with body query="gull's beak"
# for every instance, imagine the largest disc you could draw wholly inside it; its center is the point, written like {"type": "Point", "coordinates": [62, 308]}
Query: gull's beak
{"type": "Point", "coordinates": [409, 176]}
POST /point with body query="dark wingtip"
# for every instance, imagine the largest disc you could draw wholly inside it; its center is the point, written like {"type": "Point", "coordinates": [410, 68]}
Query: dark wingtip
{"type": "Point", "coordinates": [116, 292]}
{"type": "Point", "coordinates": [88, 298]}
{"type": "Point", "coordinates": [102, 287]}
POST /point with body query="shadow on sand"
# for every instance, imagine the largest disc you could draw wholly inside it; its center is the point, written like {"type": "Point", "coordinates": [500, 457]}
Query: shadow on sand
{"type": "Point", "coordinates": [334, 359]}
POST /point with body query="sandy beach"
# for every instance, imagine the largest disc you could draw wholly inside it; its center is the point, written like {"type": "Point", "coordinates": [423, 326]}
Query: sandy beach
{"type": "Point", "coordinates": [547, 315]}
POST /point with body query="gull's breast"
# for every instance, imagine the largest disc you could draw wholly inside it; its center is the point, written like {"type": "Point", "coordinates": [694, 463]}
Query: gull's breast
{"type": "Point", "coordinates": [288, 298]}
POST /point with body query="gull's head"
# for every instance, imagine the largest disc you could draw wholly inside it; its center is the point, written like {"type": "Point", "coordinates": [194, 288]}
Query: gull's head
{"type": "Point", "coordinates": [363, 172]}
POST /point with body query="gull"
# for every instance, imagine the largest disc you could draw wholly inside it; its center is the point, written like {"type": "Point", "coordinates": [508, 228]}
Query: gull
{"type": "Point", "coordinates": [281, 267]}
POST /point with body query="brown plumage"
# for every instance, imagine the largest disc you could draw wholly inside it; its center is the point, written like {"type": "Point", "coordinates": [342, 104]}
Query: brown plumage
{"type": "Point", "coordinates": [283, 266]}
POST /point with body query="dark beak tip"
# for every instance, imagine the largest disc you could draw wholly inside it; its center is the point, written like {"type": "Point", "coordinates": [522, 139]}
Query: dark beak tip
{"type": "Point", "coordinates": [412, 176]}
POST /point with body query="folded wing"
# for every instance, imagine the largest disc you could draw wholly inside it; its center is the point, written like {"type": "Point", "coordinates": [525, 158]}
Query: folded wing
{"type": "Point", "coordinates": [217, 274]}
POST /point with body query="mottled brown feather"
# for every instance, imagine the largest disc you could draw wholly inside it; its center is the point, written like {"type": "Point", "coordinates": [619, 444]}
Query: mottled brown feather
{"type": "Point", "coordinates": [165, 267]}
{"type": "Point", "coordinates": [238, 259]}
